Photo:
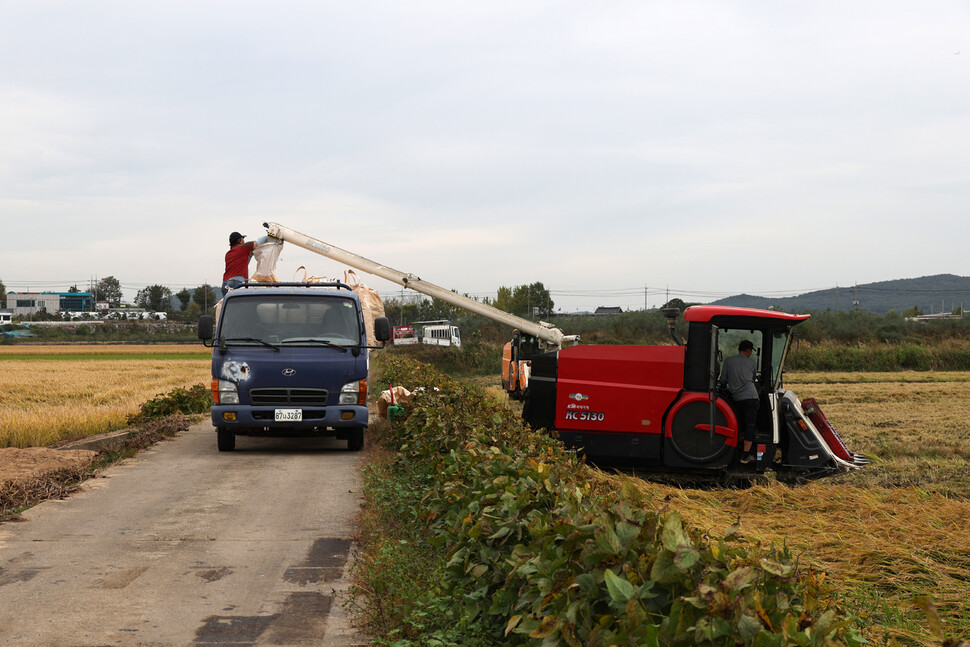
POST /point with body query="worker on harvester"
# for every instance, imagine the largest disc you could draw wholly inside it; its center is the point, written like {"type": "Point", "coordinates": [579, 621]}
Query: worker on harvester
{"type": "Point", "coordinates": [739, 376]}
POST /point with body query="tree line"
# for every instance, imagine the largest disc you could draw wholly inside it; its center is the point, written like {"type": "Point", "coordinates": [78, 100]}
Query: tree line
{"type": "Point", "coordinates": [532, 301]}
{"type": "Point", "coordinates": [157, 298]}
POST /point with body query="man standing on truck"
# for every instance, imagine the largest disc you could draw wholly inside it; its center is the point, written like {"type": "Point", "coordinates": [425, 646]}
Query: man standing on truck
{"type": "Point", "coordinates": [740, 376]}
{"type": "Point", "coordinates": [237, 261]}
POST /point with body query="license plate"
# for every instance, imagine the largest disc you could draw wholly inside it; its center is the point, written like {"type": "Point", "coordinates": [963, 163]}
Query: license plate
{"type": "Point", "coordinates": [289, 415]}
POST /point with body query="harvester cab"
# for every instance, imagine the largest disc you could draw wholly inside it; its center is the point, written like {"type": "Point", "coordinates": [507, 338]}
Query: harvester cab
{"type": "Point", "coordinates": [793, 437]}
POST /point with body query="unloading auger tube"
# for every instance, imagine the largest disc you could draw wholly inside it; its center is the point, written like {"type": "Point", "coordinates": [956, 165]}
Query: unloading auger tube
{"type": "Point", "coordinates": [550, 338]}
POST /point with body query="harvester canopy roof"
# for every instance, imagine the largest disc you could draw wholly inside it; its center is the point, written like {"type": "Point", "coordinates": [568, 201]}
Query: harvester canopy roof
{"type": "Point", "coordinates": [704, 314]}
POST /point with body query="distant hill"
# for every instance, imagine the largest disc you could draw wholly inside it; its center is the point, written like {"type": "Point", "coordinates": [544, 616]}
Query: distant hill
{"type": "Point", "coordinates": [931, 294]}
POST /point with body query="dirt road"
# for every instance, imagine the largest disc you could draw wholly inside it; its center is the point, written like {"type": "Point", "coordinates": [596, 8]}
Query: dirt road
{"type": "Point", "coordinates": [185, 545]}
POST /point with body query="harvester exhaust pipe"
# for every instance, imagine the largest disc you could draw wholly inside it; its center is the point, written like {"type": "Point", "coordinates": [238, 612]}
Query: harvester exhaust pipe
{"type": "Point", "coordinates": [672, 314]}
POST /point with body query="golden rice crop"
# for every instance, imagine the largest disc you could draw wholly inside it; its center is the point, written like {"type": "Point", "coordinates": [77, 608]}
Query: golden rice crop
{"type": "Point", "coordinates": [42, 402]}
{"type": "Point", "coordinates": [912, 425]}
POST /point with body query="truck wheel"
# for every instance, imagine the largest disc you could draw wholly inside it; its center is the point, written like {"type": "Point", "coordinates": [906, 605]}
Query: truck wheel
{"type": "Point", "coordinates": [226, 439]}
{"type": "Point", "coordinates": [355, 439]}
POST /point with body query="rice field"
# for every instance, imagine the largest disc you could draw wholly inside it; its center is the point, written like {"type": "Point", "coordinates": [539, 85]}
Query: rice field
{"type": "Point", "coordinates": [52, 393]}
{"type": "Point", "coordinates": [894, 531]}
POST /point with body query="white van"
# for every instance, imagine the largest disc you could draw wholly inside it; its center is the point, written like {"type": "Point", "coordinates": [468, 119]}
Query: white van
{"type": "Point", "coordinates": [441, 335]}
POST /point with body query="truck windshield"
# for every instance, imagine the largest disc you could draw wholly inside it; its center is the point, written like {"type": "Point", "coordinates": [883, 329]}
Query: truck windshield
{"type": "Point", "coordinates": [290, 320]}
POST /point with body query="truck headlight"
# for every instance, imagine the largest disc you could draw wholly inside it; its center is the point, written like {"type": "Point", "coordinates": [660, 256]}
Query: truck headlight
{"type": "Point", "coordinates": [353, 393]}
{"type": "Point", "coordinates": [224, 392]}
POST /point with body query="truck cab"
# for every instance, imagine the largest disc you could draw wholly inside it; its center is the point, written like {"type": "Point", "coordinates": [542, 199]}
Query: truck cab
{"type": "Point", "coordinates": [290, 359]}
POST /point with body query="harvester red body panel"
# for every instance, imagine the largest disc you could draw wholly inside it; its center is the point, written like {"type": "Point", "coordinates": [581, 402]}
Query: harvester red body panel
{"type": "Point", "coordinates": [617, 389]}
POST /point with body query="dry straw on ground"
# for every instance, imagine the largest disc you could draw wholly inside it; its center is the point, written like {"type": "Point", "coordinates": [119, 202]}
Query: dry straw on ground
{"type": "Point", "coordinates": [888, 543]}
{"type": "Point", "coordinates": [898, 529]}
{"type": "Point", "coordinates": [18, 464]}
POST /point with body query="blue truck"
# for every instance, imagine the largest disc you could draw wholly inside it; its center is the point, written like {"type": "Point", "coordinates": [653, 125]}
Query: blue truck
{"type": "Point", "coordinates": [290, 359]}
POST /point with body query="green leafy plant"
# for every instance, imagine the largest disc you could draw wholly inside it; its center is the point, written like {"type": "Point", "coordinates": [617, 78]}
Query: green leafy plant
{"type": "Point", "coordinates": [538, 553]}
{"type": "Point", "coordinates": [196, 399]}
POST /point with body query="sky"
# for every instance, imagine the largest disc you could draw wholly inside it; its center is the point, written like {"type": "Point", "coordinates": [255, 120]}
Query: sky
{"type": "Point", "coordinates": [618, 152]}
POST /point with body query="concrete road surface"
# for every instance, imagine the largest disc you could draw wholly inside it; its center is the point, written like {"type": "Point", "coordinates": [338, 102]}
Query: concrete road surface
{"type": "Point", "coordinates": [185, 545]}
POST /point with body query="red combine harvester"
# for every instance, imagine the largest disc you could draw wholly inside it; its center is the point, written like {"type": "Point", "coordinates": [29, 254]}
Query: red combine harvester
{"type": "Point", "coordinates": [651, 407]}
{"type": "Point", "coordinates": [663, 408]}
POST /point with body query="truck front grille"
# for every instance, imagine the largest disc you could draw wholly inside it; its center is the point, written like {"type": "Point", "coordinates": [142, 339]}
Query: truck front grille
{"type": "Point", "coordinates": [288, 397]}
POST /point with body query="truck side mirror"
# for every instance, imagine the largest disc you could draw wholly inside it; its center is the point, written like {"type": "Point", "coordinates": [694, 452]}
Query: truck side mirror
{"type": "Point", "coordinates": [205, 327]}
{"type": "Point", "coordinates": [382, 329]}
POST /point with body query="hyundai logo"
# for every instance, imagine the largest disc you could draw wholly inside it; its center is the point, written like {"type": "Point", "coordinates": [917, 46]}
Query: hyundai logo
{"type": "Point", "coordinates": [289, 372]}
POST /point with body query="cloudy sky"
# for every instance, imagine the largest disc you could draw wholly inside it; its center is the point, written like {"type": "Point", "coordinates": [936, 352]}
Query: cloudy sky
{"type": "Point", "coordinates": [611, 150]}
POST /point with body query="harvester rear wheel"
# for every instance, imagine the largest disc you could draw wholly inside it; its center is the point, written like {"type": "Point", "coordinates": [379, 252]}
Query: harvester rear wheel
{"type": "Point", "coordinates": [689, 438]}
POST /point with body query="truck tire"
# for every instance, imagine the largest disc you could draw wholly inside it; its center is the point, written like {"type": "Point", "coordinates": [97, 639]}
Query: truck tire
{"type": "Point", "coordinates": [355, 439]}
{"type": "Point", "coordinates": [226, 439]}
